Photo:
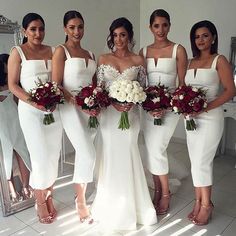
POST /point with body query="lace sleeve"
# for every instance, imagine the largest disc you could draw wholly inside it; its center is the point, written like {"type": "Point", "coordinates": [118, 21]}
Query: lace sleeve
{"type": "Point", "coordinates": [142, 76]}
{"type": "Point", "coordinates": [100, 73]}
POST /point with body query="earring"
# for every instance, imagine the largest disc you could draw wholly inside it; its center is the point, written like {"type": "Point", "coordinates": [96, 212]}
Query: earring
{"type": "Point", "coordinates": [213, 42]}
{"type": "Point", "coordinates": [26, 36]}
{"type": "Point", "coordinates": [65, 34]}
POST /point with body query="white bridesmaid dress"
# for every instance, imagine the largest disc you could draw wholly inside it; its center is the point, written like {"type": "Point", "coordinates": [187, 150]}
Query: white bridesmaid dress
{"type": "Point", "coordinates": [43, 141]}
{"type": "Point", "coordinates": [203, 142]}
{"type": "Point", "coordinates": [122, 198]}
{"type": "Point", "coordinates": [75, 122]}
{"type": "Point", "coordinates": [11, 136]}
{"type": "Point", "coordinates": [157, 138]}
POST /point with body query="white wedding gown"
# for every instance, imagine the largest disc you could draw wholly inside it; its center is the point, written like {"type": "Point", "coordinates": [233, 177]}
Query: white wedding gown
{"type": "Point", "coordinates": [122, 198]}
{"type": "Point", "coordinates": [11, 136]}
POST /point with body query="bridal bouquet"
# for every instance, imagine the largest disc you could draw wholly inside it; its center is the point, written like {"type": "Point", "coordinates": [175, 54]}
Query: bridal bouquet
{"type": "Point", "coordinates": [158, 99]}
{"type": "Point", "coordinates": [186, 100]}
{"type": "Point", "coordinates": [93, 97]}
{"type": "Point", "coordinates": [48, 95]}
{"type": "Point", "coordinates": [124, 91]}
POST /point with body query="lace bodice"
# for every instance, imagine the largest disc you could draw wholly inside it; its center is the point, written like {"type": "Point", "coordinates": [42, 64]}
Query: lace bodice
{"type": "Point", "coordinates": [109, 73]}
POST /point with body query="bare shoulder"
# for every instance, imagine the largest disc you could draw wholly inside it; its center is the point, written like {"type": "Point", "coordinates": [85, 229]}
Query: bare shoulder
{"type": "Point", "coordinates": [59, 48]}
{"type": "Point", "coordinates": [138, 59]}
{"type": "Point", "coordinates": [104, 58]}
{"type": "Point", "coordinates": [14, 55]}
{"type": "Point", "coordinates": [59, 51]}
{"type": "Point", "coordinates": [222, 62]}
{"type": "Point", "coordinates": [181, 49]}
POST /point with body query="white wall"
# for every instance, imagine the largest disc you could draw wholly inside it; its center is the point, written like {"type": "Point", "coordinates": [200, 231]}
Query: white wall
{"type": "Point", "coordinates": [98, 15]}
{"type": "Point", "coordinates": [184, 13]}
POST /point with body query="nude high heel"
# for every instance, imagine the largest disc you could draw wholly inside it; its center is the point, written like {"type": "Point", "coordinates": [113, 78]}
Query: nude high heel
{"type": "Point", "coordinates": [193, 214]}
{"type": "Point", "coordinates": [44, 220]}
{"type": "Point", "coordinates": [52, 211]}
{"type": "Point", "coordinates": [81, 206]}
{"type": "Point", "coordinates": [163, 211]}
{"type": "Point", "coordinates": [156, 198]}
{"type": "Point", "coordinates": [208, 210]}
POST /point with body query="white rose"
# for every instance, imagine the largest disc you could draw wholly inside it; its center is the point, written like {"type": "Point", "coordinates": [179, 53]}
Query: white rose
{"type": "Point", "coordinates": [175, 109]}
{"type": "Point", "coordinates": [157, 99]}
{"type": "Point", "coordinates": [194, 89]}
{"type": "Point", "coordinates": [130, 98]}
{"type": "Point", "coordinates": [86, 101]}
{"type": "Point", "coordinates": [181, 97]}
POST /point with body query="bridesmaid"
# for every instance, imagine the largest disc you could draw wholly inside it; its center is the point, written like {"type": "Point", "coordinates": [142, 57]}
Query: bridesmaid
{"type": "Point", "coordinates": [74, 67]}
{"type": "Point", "coordinates": [27, 63]}
{"type": "Point", "coordinates": [209, 70]}
{"type": "Point", "coordinates": [166, 61]}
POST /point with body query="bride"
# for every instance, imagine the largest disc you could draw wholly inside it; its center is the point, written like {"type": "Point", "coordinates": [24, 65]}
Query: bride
{"type": "Point", "coordinates": [122, 199]}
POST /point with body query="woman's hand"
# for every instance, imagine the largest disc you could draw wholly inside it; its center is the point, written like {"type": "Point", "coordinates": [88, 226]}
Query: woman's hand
{"type": "Point", "coordinates": [122, 106]}
{"type": "Point", "coordinates": [193, 114]}
{"type": "Point", "coordinates": [2, 98]}
{"type": "Point", "coordinates": [71, 100]}
{"type": "Point", "coordinates": [39, 107]}
{"type": "Point", "coordinates": [157, 114]}
{"type": "Point", "coordinates": [92, 112]}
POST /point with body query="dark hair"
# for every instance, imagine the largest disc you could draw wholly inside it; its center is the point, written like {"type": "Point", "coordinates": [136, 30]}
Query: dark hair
{"type": "Point", "coordinates": [28, 18]}
{"type": "Point", "coordinates": [71, 15]}
{"type": "Point", "coordinates": [2, 74]}
{"type": "Point", "coordinates": [211, 27]}
{"type": "Point", "coordinates": [160, 13]}
{"type": "Point", "coordinates": [120, 22]}
{"type": "Point", "coordinates": [4, 58]}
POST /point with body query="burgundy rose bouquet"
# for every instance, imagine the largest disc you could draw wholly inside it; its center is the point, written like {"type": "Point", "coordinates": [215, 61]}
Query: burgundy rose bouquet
{"type": "Point", "coordinates": [158, 99]}
{"type": "Point", "coordinates": [48, 95]}
{"type": "Point", "coordinates": [93, 97]}
{"type": "Point", "coordinates": [186, 100]}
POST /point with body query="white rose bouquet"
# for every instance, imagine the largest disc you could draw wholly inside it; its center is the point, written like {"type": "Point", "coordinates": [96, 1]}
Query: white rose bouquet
{"type": "Point", "coordinates": [124, 91]}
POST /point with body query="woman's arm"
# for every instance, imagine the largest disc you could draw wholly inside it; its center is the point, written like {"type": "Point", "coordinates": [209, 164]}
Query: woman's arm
{"type": "Point", "coordinates": [182, 62]}
{"type": "Point", "coordinates": [226, 77]}
{"type": "Point", "coordinates": [14, 69]}
{"type": "Point", "coordinates": [58, 65]}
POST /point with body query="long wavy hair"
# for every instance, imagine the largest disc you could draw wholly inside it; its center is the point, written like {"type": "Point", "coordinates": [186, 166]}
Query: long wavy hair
{"type": "Point", "coordinates": [120, 22]}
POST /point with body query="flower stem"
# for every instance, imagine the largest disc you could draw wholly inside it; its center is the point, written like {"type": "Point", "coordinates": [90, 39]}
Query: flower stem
{"type": "Point", "coordinates": [93, 122]}
{"type": "Point", "coordinates": [157, 121]}
{"type": "Point", "coordinates": [124, 121]}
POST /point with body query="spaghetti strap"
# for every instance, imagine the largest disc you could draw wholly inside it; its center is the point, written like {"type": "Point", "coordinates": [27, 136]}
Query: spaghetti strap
{"type": "Point", "coordinates": [189, 62]}
{"type": "Point", "coordinates": [91, 55]}
{"type": "Point", "coordinates": [20, 51]}
{"type": "Point", "coordinates": [53, 50]}
{"type": "Point", "coordinates": [174, 53]}
{"type": "Point", "coordinates": [66, 51]}
{"type": "Point", "coordinates": [213, 65]}
{"type": "Point", "coordinates": [145, 52]}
